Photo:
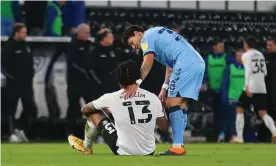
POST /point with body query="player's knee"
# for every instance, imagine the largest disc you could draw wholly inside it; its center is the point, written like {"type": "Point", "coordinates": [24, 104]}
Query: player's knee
{"type": "Point", "coordinates": [171, 102]}
{"type": "Point", "coordinates": [240, 110]}
{"type": "Point", "coordinates": [262, 113]}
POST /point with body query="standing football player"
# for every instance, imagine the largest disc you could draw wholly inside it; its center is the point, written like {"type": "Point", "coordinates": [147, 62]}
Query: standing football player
{"type": "Point", "coordinates": [135, 118]}
{"type": "Point", "coordinates": [184, 74]}
{"type": "Point", "coordinates": [254, 89]}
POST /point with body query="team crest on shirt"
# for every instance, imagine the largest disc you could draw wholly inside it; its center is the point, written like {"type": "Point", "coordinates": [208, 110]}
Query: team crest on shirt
{"type": "Point", "coordinates": [144, 46]}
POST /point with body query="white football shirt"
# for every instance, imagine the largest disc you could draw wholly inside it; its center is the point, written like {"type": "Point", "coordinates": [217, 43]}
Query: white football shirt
{"type": "Point", "coordinates": [255, 71]}
{"type": "Point", "coordinates": [135, 120]}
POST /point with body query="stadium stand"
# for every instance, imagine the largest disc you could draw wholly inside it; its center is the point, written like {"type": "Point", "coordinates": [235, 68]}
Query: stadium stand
{"type": "Point", "coordinates": [199, 27]}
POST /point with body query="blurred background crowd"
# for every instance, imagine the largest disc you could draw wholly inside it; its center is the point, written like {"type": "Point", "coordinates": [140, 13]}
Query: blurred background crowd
{"type": "Point", "coordinates": [53, 76]}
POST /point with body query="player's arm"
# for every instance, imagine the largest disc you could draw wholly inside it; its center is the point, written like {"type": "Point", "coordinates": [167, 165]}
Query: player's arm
{"type": "Point", "coordinates": [89, 109]}
{"type": "Point", "coordinates": [162, 119]}
{"type": "Point", "coordinates": [148, 49]}
{"type": "Point", "coordinates": [168, 75]}
{"type": "Point", "coordinates": [147, 65]}
{"type": "Point", "coordinates": [265, 68]}
{"type": "Point", "coordinates": [162, 123]}
{"type": "Point", "coordinates": [246, 63]}
{"type": "Point", "coordinates": [96, 105]}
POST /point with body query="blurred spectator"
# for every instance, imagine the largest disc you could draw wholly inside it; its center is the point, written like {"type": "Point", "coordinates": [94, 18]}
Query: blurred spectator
{"type": "Point", "coordinates": [17, 66]}
{"type": "Point", "coordinates": [73, 14]}
{"type": "Point", "coordinates": [35, 16]}
{"type": "Point", "coordinates": [233, 83]}
{"type": "Point", "coordinates": [271, 78]}
{"type": "Point", "coordinates": [10, 13]}
{"type": "Point", "coordinates": [79, 79]}
{"type": "Point", "coordinates": [216, 63]}
{"type": "Point", "coordinates": [105, 59]}
{"type": "Point", "coordinates": [53, 20]}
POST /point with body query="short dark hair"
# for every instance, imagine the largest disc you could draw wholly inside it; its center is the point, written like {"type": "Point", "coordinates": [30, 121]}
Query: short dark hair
{"type": "Point", "coordinates": [251, 41]}
{"type": "Point", "coordinates": [173, 25]}
{"type": "Point", "coordinates": [17, 27]}
{"type": "Point", "coordinates": [272, 38]}
{"type": "Point", "coordinates": [128, 72]}
{"type": "Point", "coordinates": [216, 41]}
{"type": "Point", "coordinates": [101, 34]}
{"type": "Point", "coordinates": [129, 32]}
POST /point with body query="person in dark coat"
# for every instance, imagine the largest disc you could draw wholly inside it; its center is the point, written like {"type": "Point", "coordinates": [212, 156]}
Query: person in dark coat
{"type": "Point", "coordinates": [270, 77]}
{"type": "Point", "coordinates": [79, 77]}
{"type": "Point", "coordinates": [17, 67]}
{"type": "Point", "coordinates": [104, 60]}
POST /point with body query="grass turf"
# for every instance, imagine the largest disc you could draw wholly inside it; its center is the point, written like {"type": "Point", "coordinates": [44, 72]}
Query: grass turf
{"type": "Point", "coordinates": [61, 154]}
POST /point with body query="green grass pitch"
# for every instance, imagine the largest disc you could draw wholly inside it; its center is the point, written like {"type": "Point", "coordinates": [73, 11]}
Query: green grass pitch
{"type": "Point", "coordinates": [61, 154]}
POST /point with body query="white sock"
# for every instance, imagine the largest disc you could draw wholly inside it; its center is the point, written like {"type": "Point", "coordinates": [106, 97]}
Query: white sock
{"type": "Point", "coordinates": [269, 124]}
{"type": "Point", "coordinates": [177, 145]}
{"type": "Point", "coordinates": [90, 134]}
{"type": "Point", "coordinates": [240, 125]}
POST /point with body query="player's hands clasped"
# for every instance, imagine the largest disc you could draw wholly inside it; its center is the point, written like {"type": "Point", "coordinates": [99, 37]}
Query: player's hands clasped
{"type": "Point", "coordinates": [163, 95]}
{"type": "Point", "coordinates": [130, 90]}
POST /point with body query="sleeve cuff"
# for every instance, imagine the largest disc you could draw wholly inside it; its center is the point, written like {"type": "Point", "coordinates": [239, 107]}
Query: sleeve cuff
{"type": "Point", "coordinates": [94, 103]}
{"type": "Point", "coordinates": [149, 52]}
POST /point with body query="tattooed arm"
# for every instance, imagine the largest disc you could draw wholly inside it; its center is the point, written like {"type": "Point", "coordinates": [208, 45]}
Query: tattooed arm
{"type": "Point", "coordinates": [147, 65]}
{"type": "Point", "coordinates": [168, 75]}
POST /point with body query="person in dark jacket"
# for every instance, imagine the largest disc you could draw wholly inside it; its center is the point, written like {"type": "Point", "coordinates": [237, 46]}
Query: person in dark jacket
{"type": "Point", "coordinates": [17, 67]}
{"type": "Point", "coordinates": [79, 78]}
{"type": "Point", "coordinates": [270, 77]}
{"type": "Point", "coordinates": [232, 87]}
{"type": "Point", "coordinates": [104, 60]}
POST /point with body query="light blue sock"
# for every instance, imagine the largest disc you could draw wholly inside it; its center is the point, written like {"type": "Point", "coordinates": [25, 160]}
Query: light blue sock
{"type": "Point", "coordinates": [185, 118]}
{"type": "Point", "coordinates": [177, 121]}
{"type": "Point", "coordinates": [184, 111]}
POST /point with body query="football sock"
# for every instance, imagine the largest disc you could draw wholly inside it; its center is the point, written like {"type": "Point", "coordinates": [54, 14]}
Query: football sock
{"type": "Point", "coordinates": [90, 134]}
{"type": "Point", "coordinates": [185, 118]}
{"type": "Point", "coordinates": [269, 124]}
{"type": "Point", "coordinates": [177, 122]}
{"type": "Point", "coordinates": [240, 125]}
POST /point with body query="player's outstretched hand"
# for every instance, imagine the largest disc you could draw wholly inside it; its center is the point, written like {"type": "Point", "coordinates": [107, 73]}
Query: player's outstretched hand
{"type": "Point", "coordinates": [163, 95]}
{"type": "Point", "coordinates": [130, 90]}
{"type": "Point", "coordinates": [248, 93]}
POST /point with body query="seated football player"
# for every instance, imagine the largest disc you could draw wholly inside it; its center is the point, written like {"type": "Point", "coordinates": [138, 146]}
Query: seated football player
{"type": "Point", "coordinates": [135, 118]}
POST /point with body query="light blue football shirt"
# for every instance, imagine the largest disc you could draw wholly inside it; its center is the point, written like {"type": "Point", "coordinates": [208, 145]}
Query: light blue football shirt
{"type": "Point", "coordinates": [169, 47]}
